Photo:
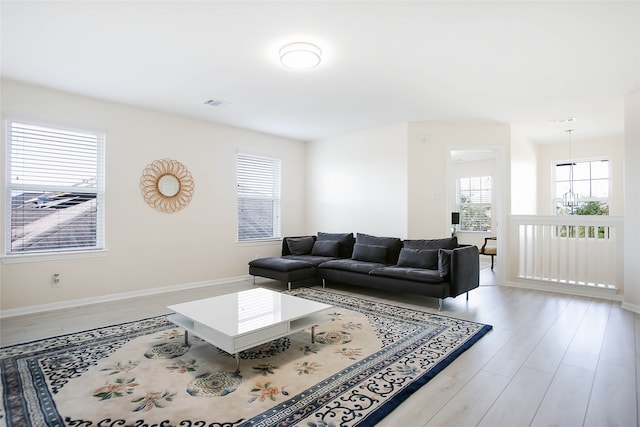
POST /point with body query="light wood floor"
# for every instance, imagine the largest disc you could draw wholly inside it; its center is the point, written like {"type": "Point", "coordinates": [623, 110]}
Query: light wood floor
{"type": "Point", "coordinates": [550, 360]}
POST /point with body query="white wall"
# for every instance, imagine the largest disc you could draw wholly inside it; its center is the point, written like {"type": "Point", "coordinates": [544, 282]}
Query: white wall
{"type": "Point", "coordinates": [358, 183]}
{"type": "Point", "coordinates": [429, 197]}
{"type": "Point", "coordinates": [148, 249]}
{"type": "Point", "coordinates": [523, 175]}
{"type": "Point", "coordinates": [632, 203]}
{"type": "Point", "coordinates": [611, 148]}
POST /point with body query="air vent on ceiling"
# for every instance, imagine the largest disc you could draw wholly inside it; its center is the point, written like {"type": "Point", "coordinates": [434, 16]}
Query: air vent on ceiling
{"type": "Point", "coordinates": [563, 121]}
{"type": "Point", "coordinates": [215, 102]}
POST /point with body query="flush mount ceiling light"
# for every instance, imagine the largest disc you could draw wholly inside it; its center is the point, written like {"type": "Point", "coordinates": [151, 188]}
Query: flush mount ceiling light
{"type": "Point", "coordinates": [300, 55]}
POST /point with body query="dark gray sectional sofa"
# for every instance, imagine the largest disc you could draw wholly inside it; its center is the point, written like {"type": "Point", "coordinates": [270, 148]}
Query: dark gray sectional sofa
{"type": "Point", "coordinates": [438, 268]}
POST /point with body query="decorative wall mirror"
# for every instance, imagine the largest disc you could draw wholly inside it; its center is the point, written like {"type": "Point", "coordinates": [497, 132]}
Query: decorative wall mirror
{"type": "Point", "coordinates": [167, 185]}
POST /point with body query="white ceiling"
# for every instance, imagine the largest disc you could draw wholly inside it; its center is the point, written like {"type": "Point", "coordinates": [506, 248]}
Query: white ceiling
{"type": "Point", "coordinates": [523, 63]}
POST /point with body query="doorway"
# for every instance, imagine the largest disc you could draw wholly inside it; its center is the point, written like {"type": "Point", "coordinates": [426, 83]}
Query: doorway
{"type": "Point", "coordinates": [475, 184]}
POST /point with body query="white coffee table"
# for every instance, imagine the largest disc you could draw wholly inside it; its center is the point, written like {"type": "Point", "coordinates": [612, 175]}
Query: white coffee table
{"type": "Point", "coordinates": [242, 320]}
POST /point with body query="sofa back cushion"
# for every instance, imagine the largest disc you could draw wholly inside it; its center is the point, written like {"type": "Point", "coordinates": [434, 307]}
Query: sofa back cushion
{"type": "Point", "coordinates": [339, 237]}
{"type": "Point", "coordinates": [446, 243]}
{"type": "Point", "coordinates": [370, 253]}
{"type": "Point", "coordinates": [345, 240]}
{"type": "Point", "coordinates": [393, 245]}
{"type": "Point", "coordinates": [418, 258]}
{"type": "Point", "coordinates": [286, 250]}
{"type": "Point", "coordinates": [300, 245]}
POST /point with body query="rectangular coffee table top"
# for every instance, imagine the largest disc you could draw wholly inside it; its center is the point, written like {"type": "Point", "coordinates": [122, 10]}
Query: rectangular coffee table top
{"type": "Point", "coordinates": [247, 311]}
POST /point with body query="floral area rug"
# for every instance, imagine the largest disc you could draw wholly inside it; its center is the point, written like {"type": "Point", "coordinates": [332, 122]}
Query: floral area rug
{"type": "Point", "coordinates": [367, 358]}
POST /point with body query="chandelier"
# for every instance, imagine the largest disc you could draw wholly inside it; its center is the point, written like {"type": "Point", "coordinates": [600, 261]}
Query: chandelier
{"type": "Point", "coordinates": [570, 199]}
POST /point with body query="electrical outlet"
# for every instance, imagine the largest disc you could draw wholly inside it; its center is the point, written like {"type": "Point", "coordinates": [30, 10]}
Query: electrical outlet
{"type": "Point", "coordinates": [55, 280]}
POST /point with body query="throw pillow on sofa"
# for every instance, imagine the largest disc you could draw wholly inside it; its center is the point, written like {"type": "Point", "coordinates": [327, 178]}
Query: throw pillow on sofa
{"type": "Point", "coordinates": [330, 248]}
{"type": "Point", "coordinates": [370, 253]}
{"type": "Point", "coordinates": [418, 258]}
{"type": "Point", "coordinates": [346, 241]}
{"type": "Point", "coordinates": [444, 262]}
{"type": "Point", "coordinates": [300, 245]}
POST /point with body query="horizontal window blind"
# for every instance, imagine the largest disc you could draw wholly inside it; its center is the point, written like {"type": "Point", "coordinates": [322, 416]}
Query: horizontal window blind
{"type": "Point", "coordinates": [45, 156]}
{"type": "Point", "coordinates": [55, 189]}
{"type": "Point", "coordinates": [476, 217]}
{"type": "Point", "coordinates": [258, 197]}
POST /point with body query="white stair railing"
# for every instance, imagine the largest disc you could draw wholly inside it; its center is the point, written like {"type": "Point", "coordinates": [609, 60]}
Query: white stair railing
{"type": "Point", "coordinates": [577, 250]}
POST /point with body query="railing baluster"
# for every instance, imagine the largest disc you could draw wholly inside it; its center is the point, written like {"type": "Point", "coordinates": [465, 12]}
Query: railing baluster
{"type": "Point", "coordinates": [577, 250]}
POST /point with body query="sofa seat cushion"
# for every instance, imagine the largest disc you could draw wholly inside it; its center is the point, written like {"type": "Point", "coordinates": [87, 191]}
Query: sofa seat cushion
{"type": "Point", "coordinates": [311, 259]}
{"type": "Point", "coordinates": [280, 264]}
{"type": "Point", "coordinates": [408, 273]}
{"type": "Point", "coordinates": [351, 265]}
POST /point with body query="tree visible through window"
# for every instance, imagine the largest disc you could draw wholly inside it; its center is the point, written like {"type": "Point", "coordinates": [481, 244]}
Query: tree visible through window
{"type": "Point", "coordinates": [55, 189]}
{"type": "Point", "coordinates": [474, 199]}
{"type": "Point", "coordinates": [590, 184]}
{"type": "Point", "coordinates": [258, 197]}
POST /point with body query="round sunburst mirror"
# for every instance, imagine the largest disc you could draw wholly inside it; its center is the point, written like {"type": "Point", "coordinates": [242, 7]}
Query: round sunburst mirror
{"type": "Point", "coordinates": [167, 185]}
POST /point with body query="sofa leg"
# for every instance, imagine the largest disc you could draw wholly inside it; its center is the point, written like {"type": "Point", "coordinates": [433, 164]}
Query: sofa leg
{"type": "Point", "coordinates": [254, 280]}
{"type": "Point", "coordinates": [440, 304]}
{"type": "Point", "coordinates": [289, 285]}
{"type": "Point", "coordinates": [467, 295]}
{"type": "Point", "coordinates": [324, 283]}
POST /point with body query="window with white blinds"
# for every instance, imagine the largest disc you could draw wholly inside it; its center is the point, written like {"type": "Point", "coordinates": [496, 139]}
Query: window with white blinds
{"type": "Point", "coordinates": [474, 199]}
{"type": "Point", "coordinates": [55, 189]}
{"type": "Point", "coordinates": [258, 197]}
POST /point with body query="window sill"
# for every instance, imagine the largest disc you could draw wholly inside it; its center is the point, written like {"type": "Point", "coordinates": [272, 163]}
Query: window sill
{"type": "Point", "coordinates": [257, 242]}
{"type": "Point", "coordinates": [51, 256]}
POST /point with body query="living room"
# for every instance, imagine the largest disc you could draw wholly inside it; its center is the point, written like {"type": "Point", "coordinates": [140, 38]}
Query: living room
{"type": "Point", "coordinates": [391, 178]}
{"type": "Point", "coordinates": [395, 170]}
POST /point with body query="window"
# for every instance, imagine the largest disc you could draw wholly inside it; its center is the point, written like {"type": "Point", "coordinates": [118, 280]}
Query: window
{"type": "Point", "coordinates": [55, 190]}
{"type": "Point", "coordinates": [258, 198]}
{"type": "Point", "coordinates": [474, 198]}
{"type": "Point", "coordinates": [590, 184]}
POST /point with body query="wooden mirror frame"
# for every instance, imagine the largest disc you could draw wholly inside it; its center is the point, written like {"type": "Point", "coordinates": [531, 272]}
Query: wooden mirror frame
{"type": "Point", "coordinates": [152, 190]}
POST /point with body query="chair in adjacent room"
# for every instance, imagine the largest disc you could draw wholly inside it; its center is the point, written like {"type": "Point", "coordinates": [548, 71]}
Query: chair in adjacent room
{"type": "Point", "coordinates": [489, 248]}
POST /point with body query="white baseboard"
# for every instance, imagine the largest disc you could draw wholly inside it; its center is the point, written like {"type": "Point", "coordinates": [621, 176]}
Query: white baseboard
{"type": "Point", "coordinates": [115, 297]}
{"type": "Point", "coordinates": [584, 291]}
{"type": "Point", "coordinates": [635, 308]}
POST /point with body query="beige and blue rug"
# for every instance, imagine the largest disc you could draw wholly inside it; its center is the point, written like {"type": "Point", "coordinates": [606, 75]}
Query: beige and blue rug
{"type": "Point", "coordinates": [368, 357]}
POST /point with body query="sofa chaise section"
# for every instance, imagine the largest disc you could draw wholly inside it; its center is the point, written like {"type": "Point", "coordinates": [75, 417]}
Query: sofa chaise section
{"type": "Point", "coordinates": [301, 256]}
{"type": "Point", "coordinates": [282, 269]}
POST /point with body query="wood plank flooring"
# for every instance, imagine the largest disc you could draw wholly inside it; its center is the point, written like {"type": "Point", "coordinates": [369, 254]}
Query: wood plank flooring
{"type": "Point", "coordinates": [550, 360]}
